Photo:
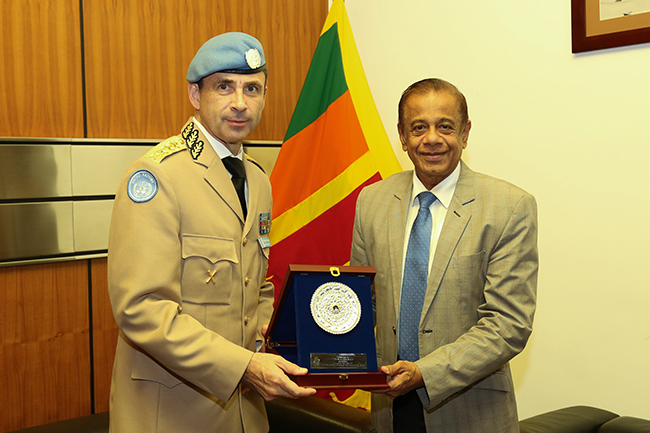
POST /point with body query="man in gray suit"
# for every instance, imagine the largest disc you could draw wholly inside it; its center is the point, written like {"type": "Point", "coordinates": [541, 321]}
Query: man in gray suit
{"type": "Point", "coordinates": [456, 258]}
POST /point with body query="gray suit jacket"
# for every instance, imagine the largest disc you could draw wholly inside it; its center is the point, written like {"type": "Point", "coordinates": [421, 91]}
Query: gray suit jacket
{"type": "Point", "coordinates": [479, 304]}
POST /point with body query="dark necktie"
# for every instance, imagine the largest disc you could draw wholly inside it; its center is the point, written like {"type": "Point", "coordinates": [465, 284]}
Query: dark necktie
{"type": "Point", "coordinates": [236, 168]}
{"type": "Point", "coordinates": [414, 286]}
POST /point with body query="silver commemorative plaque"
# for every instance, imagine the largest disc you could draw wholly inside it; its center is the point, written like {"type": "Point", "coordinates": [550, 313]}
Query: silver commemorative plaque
{"type": "Point", "coordinates": [335, 308]}
{"type": "Point", "coordinates": [343, 361]}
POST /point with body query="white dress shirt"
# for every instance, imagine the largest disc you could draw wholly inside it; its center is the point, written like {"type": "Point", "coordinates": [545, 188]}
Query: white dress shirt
{"type": "Point", "coordinates": [223, 152]}
{"type": "Point", "coordinates": [444, 193]}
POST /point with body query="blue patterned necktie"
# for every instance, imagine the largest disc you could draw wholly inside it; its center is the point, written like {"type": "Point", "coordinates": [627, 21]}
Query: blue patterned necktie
{"type": "Point", "coordinates": [414, 285]}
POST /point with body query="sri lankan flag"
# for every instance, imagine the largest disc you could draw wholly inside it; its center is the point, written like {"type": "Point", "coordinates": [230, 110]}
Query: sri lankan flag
{"type": "Point", "coordinates": [334, 146]}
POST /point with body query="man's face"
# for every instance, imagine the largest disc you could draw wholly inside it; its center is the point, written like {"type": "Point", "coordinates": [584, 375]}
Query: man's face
{"type": "Point", "coordinates": [229, 106]}
{"type": "Point", "coordinates": [432, 135]}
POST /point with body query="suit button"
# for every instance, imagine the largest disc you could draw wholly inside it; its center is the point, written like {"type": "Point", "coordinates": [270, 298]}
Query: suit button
{"type": "Point", "coordinates": [245, 241]}
{"type": "Point", "coordinates": [246, 320]}
{"type": "Point", "coordinates": [246, 281]}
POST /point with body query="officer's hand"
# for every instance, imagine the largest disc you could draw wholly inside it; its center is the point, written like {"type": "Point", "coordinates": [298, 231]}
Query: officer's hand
{"type": "Point", "coordinates": [267, 375]}
{"type": "Point", "coordinates": [405, 377]}
{"type": "Point", "coordinates": [264, 330]}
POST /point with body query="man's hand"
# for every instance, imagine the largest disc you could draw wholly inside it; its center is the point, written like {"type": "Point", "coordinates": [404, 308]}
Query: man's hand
{"type": "Point", "coordinates": [264, 330]}
{"type": "Point", "coordinates": [405, 377]}
{"type": "Point", "coordinates": [267, 375]}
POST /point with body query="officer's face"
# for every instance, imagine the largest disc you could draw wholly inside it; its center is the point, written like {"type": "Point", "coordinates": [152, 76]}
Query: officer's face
{"type": "Point", "coordinates": [433, 136]}
{"type": "Point", "coordinates": [229, 106]}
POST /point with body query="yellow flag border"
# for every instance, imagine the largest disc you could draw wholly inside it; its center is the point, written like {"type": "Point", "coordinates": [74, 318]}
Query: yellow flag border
{"type": "Point", "coordinates": [364, 105]}
{"type": "Point", "coordinates": [380, 156]}
{"type": "Point", "coordinates": [330, 194]}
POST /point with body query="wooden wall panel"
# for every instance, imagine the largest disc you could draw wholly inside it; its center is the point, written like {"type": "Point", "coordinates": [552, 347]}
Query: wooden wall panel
{"type": "Point", "coordinates": [136, 57]}
{"type": "Point", "coordinates": [104, 334]}
{"type": "Point", "coordinates": [44, 348]}
{"type": "Point", "coordinates": [40, 69]}
{"type": "Point", "coordinates": [137, 54]}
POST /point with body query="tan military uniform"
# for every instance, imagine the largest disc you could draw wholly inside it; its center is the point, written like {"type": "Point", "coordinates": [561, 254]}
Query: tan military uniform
{"type": "Point", "coordinates": [188, 291]}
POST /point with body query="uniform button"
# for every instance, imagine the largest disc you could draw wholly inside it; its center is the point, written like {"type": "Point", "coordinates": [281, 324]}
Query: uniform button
{"type": "Point", "coordinates": [246, 281]}
{"type": "Point", "coordinates": [245, 241]}
{"type": "Point", "coordinates": [246, 320]}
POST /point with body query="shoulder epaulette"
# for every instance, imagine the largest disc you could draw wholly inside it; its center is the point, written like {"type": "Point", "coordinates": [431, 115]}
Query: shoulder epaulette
{"type": "Point", "coordinates": [255, 162]}
{"type": "Point", "coordinates": [166, 148]}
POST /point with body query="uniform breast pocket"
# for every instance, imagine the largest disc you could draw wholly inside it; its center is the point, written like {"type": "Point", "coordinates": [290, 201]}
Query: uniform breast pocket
{"type": "Point", "coordinates": [208, 265]}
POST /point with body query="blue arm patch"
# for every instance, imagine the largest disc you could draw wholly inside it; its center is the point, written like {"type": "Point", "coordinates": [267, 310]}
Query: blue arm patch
{"type": "Point", "coordinates": [142, 186]}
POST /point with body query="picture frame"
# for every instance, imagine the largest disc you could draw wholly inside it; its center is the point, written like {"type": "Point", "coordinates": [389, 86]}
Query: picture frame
{"type": "Point", "coordinates": [616, 26]}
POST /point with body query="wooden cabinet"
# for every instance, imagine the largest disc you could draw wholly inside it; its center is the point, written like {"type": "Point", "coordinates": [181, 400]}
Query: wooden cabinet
{"type": "Point", "coordinates": [104, 334]}
{"type": "Point", "coordinates": [45, 348]}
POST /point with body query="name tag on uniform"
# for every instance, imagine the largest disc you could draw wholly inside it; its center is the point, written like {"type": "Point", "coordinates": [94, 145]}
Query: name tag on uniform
{"type": "Point", "coordinates": [264, 241]}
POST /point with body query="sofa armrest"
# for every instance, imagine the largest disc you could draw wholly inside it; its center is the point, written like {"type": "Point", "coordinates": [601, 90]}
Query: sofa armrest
{"type": "Point", "coordinates": [576, 419]}
{"type": "Point", "coordinates": [626, 424]}
{"type": "Point", "coordinates": [97, 423]}
{"type": "Point", "coordinates": [316, 415]}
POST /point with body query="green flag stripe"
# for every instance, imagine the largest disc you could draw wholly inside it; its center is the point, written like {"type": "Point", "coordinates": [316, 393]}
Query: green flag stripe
{"type": "Point", "coordinates": [325, 82]}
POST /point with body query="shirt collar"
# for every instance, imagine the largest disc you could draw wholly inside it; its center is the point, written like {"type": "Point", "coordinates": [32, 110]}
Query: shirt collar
{"type": "Point", "coordinates": [217, 145]}
{"type": "Point", "coordinates": [444, 191]}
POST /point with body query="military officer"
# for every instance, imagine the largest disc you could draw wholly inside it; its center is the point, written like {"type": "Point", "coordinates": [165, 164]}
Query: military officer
{"type": "Point", "coordinates": [188, 254]}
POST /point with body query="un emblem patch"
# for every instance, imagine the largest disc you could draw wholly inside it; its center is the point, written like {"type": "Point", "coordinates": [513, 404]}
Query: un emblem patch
{"type": "Point", "coordinates": [142, 186]}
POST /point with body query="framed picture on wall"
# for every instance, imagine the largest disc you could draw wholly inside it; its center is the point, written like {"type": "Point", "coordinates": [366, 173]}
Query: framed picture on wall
{"type": "Point", "coordinates": [600, 24]}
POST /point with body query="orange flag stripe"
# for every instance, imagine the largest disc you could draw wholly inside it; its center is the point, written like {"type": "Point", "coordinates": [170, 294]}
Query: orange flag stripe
{"type": "Point", "coordinates": [318, 154]}
{"type": "Point", "coordinates": [364, 104]}
{"type": "Point", "coordinates": [316, 204]}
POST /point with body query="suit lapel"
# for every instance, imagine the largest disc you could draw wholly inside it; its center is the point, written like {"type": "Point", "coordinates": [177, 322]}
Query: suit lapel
{"type": "Point", "coordinates": [396, 228]}
{"type": "Point", "coordinates": [458, 216]}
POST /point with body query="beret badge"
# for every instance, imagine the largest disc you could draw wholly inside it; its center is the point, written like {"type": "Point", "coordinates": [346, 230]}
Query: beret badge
{"type": "Point", "coordinates": [253, 58]}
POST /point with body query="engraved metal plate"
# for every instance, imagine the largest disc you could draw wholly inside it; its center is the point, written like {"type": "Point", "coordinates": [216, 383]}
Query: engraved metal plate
{"type": "Point", "coordinates": [335, 308]}
{"type": "Point", "coordinates": [343, 361]}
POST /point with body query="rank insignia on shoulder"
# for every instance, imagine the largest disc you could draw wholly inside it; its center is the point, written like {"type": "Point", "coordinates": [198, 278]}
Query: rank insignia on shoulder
{"type": "Point", "coordinates": [142, 186]}
{"type": "Point", "coordinates": [265, 223]}
{"type": "Point", "coordinates": [166, 148]}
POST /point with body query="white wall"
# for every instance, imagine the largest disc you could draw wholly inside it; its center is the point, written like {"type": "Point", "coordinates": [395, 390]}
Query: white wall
{"type": "Point", "coordinates": [574, 130]}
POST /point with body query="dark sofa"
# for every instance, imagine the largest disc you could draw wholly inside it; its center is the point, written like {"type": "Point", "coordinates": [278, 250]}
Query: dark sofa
{"type": "Point", "coordinates": [316, 415]}
{"type": "Point", "coordinates": [583, 419]}
{"type": "Point", "coordinates": [311, 414]}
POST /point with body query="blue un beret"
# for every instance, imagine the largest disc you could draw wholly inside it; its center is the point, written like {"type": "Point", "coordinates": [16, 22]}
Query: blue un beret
{"type": "Point", "coordinates": [233, 52]}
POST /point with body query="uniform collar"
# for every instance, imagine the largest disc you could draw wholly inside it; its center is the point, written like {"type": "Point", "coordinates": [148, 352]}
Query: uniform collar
{"type": "Point", "coordinates": [218, 146]}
